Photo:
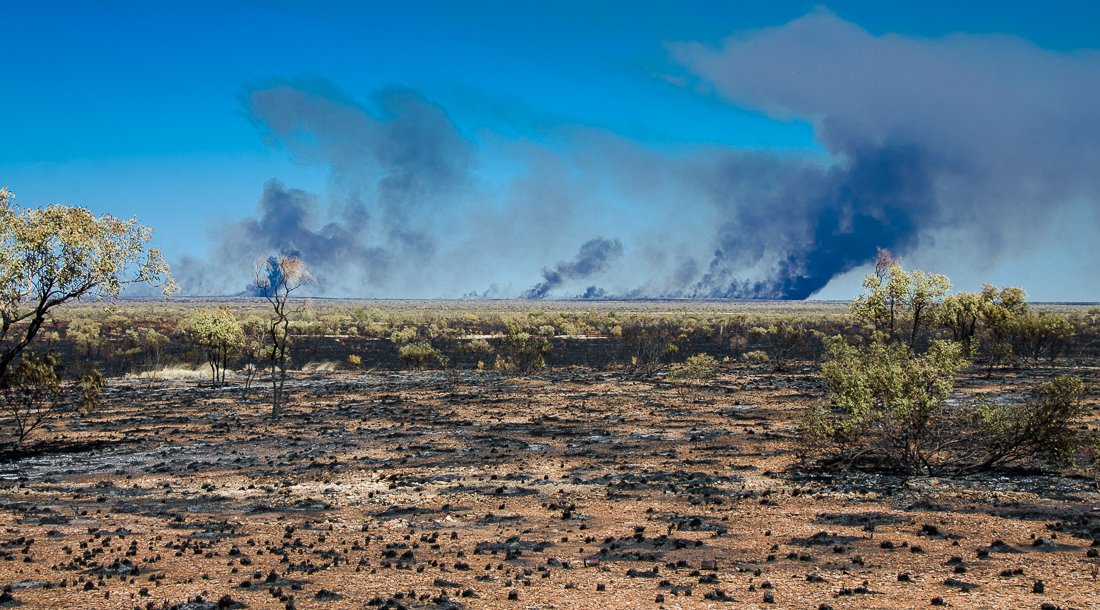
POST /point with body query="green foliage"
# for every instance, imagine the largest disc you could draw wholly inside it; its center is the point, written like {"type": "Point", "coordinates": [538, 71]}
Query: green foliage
{"type": "Point", "coordinates": [57, 254]}
{"type": "Point", "coordinates": [886, 383]}
{"type": "Point", "coordinates": [1000, 308]}
{"type": "Point", "coordinates": [524, 353]}
{"type": "Point", "coordinates": [691, 372]}
{"type": "Point", "coordinates": [755, 356]}
{"type": "Point", "coordinates": [891, 401]}
{"type": "Point", "coordinates": [1039, 427]}
{"type": "Point", "coordinates": [404, 336]}
{"type": "Point", "coordinates": [419, 354]}
{"type": "Point", "coordinates": [894, 299]}
{"type": "Point", "coordinates": [897, 407]}
{"type": "Point", "coordinates": [696, 368]}
{"type": "Point", "coordinates": [220, 335]}
{"type": "Point", "coordinates": [815, 430]}
{"type": "Point", "coordinates": [1036, 334]}
{"type": "Point", "coordinates": [85, 334]}
{"type": "Point", "coordinates": [480, 347]}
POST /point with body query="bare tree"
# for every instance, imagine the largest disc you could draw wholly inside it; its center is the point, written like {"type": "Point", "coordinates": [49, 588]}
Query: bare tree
{"type": "Point", "coordinates": [276, 279]}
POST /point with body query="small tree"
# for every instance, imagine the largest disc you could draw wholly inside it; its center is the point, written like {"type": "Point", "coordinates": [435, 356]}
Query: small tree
{"type": "Point", "coordinates": [85, 334]}
{"type": "Point", "coordinates": [961, 313]}
{"type": "Point", "coordinates": [56, 254]}
{"type": "Point", "coordinates": [999, 312]}
{"type": "Point", "coordinates": [1034, 334]}
{"type": "Point", "coordinates": [220, 335]}
{"type": "Point", "coordinates": [894, 298]}
{"type": "Point", "coordinates": [276, 280]}
{"type": "Point", "coordinates": [648, 343]}
{"type": "Point", "coordinates": [152, 344]}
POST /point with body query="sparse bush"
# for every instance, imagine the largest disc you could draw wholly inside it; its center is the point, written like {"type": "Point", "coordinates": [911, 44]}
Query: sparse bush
{"type": "Point", "coordinates": [695, 369]}
{"type": "Point", "coordinates": [648, 343]}
{"type": "Point", "coordinates": [91, 386]}
{"type": "Point", "coordinates": [220, 335]}
{"type": "Point", "coordinates": [479, 347]}
{"type": "Point", "coordinates": [524, 353]}
{"type": "Point", "coordinates": [418, 355]}
{"type": "Point", "coordinates": [783, 336]}
{"type": "Point", "coordinates": [32, 393]}
{"type": "Point", "coordinates": [1038, 334]}
{"type": "Point", "coordinates": [896, 408]}
{"type": "Point", "coordinates": [814, 431]}
{"type": "Point", "coordinates": [354, 361]}
{"type": "Point", "coordinates": [755, 356]}
{"type": "Point", "coordinates": [404, 336]}
{"type": "Point", "coordinates": [1038, 427]}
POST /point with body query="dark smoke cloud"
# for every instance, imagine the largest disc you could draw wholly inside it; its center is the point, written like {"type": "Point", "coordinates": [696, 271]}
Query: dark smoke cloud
{"type": "Point", "coordinates": [811, 223]}
{"type": "Point", "coordinates": [989, 133]}
{"type": "Point", "coordinates": [968, 144]}
{"type": "Point", "coordinates": [287, 223]}
{"type": "Point", "coordinates": [594, 256]}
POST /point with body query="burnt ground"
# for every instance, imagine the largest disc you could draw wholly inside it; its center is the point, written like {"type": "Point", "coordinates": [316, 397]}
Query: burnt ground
{"type": "Point", "coordinates": [572, 489]}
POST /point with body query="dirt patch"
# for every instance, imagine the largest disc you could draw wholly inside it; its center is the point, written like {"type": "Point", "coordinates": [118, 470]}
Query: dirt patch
{"type": "Point", "coordinates": [573, 489]}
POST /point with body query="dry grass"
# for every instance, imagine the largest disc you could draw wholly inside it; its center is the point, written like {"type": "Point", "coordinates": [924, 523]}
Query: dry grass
{"type": "Point", "coordinates": [179, 372]}
{"type": "Point", "coordinates": [324, 365]}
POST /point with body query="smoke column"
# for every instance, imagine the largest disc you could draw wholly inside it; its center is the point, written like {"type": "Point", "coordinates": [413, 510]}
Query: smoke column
{"type": "Point", "coordinates": [969, 144]}
{"type": "Point", "coordinates": [595, 255]}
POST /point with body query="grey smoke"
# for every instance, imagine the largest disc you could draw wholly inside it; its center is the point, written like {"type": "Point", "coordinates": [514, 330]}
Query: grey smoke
{"type": "Point", "coordinates": [594, 256]}
{"type": "Point", "coordinates": [968, 143]}
{"type": "Point", "coordinates": [990, 133]}
{"type": "Point", "coordinates": [287, 223]}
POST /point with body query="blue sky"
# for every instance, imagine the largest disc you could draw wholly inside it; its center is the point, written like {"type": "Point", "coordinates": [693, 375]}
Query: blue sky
{"type": "Point", "coordinates": [630, 131]}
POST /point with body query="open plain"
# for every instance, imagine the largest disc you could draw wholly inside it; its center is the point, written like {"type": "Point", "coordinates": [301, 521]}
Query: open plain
{"type": "Point", "coordinates": [574, 488]}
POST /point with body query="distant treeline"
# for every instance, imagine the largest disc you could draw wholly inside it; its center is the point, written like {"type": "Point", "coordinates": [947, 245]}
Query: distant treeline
{"type": "Point", "coordinates": [135, 336]}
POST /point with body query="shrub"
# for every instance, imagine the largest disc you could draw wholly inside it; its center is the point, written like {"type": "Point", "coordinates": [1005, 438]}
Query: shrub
{"type": "Point", "coordinates": [755, 356]}
{"type": "Point", "coordinates": [419, 354]}
{"type": "Point", "coordinates": [697, 368]}
{"type": "Point", "coordinates": [525, 353]}
{"type": "Point", "coordinates": [896, 407]}
{"type": "Point", "coordinates": [404, 336]}
{"type": "Point", "coordinates": [1041, 426]}
{"type": "Point", "coordinates": [32, 393]}
{"type": "Point", "coordinates": [91, 386]}
{"type": "Point", "coordinates": [783, 336]}
{"type": "Point", "coordinates": [648, 343]}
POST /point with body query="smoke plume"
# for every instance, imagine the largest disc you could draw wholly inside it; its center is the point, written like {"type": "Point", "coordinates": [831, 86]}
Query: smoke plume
{"type": "Point", "coordinates": [968, 144]}
{"type": "Point", "coordinates": [595, 255]}
{"type": "Point", "coordinates": [987, 133]}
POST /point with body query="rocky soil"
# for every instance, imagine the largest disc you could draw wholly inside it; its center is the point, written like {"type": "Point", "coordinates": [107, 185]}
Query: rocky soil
{"type": "Point", "coordinates": [572, 489]}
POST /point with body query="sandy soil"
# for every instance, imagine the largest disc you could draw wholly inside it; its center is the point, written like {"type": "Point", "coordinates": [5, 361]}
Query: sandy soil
{"type": "Point", "coordinates": [572, 489]}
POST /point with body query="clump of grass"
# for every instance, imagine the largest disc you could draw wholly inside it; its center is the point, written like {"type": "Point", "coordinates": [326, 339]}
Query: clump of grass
{"type": "Point", "coordinates": [322, 366]}
{"type": "Point", "coordinates": [175, 372]}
